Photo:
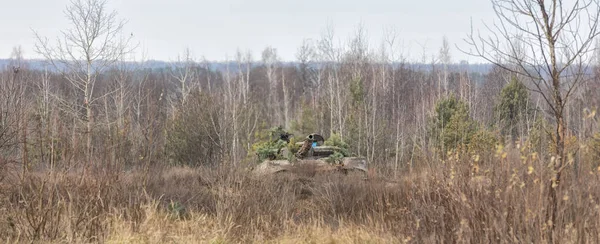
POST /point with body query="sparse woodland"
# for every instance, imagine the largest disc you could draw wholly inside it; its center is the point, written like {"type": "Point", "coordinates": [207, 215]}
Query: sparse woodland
{"type": "Point", "coordinates": [95, 147]}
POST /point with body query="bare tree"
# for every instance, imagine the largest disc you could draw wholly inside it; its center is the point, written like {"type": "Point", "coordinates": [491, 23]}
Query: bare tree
{"type": "Point", "coordinates": [244, 62]}
{"type": "Point", "coordinates": [559, 39]}
{"type": "Point", "coordinates": [12, 107]}
{"type": "Point", "coordinates": [330, 56]}
{"type": "Point", "coordinates": [184, 72]}
{"type": "Point", "coordinates": [93, 43]}
{"type": "Point", "coordinates": [445, 59]}
{"type": "Point", "coordinates": [207, 69]}
{"type": "Point", "coordinates": [270, 61]}
{"type": "Point", "coordinates": [311, 74]}
{"type": "Point", "coordinates": [286, 99]}
{"type": "Point", "coordinates": [390, 41]}
{"type": "Point", "coordinates": [304, 55]}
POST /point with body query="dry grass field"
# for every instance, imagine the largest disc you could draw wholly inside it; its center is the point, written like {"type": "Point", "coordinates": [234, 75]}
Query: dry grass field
{"type": "Point", "coordinates": [457, 201]}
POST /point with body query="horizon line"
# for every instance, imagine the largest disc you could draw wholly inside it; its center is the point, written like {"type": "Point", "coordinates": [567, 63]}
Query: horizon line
{"type": "Point", "coordinates": [461, 62]}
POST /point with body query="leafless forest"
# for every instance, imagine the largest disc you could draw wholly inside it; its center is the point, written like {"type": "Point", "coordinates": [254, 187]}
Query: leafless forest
{"type": "Point", "coordinates": [95, 147]}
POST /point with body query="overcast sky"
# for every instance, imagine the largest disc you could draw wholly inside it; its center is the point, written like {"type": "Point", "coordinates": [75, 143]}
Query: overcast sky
{"type": "Point", "coordinates": [216, 29]}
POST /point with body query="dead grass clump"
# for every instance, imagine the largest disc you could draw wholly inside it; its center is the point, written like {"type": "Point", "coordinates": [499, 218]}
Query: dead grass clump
{"type": "Point", "coordinates": [65, 206]}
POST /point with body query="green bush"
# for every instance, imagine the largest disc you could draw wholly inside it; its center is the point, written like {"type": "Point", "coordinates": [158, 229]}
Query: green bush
{"type": "Point", "coordinates": [335, 158]}
{"type": "Point", "coordinates": [336, 141]}
{"type": "Point", "coordinates": [268, 149]}
{"type": "Point", "coordinates": [511, 109]}
{"type": "Point", "coordinates": [452, 129]}
{"type": "Point", "coordinates": [269, 144]}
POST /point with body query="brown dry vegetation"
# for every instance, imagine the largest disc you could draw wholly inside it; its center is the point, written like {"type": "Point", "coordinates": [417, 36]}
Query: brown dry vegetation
{"type": "Point", "coordinates": [457, 153]}
{"type": "Point", "coordinates": [500, 201]}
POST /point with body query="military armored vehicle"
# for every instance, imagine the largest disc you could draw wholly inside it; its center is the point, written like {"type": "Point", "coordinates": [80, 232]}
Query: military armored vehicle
{"type": "Point", "coordinates": [309, 155]}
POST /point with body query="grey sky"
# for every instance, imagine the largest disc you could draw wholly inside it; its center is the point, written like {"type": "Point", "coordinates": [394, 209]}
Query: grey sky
{"type": "Point", "coordinates": [215, 29]}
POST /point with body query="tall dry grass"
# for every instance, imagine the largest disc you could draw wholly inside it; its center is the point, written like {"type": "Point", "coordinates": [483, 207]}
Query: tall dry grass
{"type": "Point", "coordinates": [496, 200]}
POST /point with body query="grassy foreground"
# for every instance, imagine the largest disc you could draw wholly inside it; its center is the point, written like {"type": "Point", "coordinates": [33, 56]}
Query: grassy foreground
{"type": "Point", "coordinates": [457, 201]}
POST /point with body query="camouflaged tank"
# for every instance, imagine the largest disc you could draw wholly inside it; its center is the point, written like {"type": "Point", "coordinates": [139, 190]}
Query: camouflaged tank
{"type": "Point", "coordinates": [311, 156]}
